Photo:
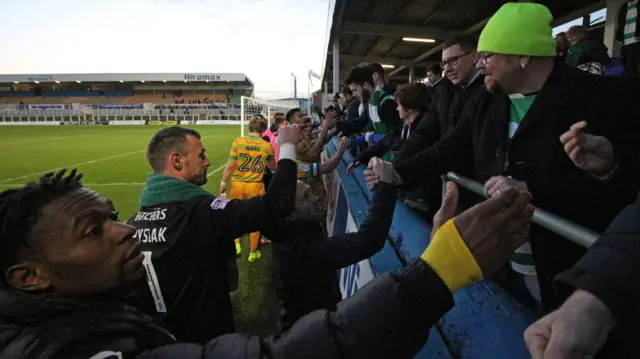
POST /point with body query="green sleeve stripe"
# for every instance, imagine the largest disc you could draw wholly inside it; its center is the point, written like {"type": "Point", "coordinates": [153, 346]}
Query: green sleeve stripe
{"type": "Point", "coordinates": [233, 157]}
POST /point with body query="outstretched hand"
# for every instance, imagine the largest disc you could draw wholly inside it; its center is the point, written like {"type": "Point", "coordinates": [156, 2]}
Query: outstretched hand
{"type": "Point", "coordinates": [577, 330]}
{"type": "Point", "coordinates": [290, 134]}
{"type": "Point", "coordinates": [588, 152]}
{"type": "Point", "coordinates": [448, 208]}
{"type": "Point", "coordinates": [493, 229]}
{"type": "Point", "coordinates": [381, 170]}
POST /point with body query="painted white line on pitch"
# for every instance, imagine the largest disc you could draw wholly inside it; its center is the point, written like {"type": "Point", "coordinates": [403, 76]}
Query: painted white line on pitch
{"type": "Point", "coordinates": [216, 170]}
{"type": "Point", "coordinates": [88, 184]}
{"type": "Point", "coordinates": [84, 163]}
{"type": "Point", "coordinates": [65, 137]}
{"type": "Point", "coordinates": [46, 139]}
{"type": "Point", "coordinates": [115, 184]}
{"type": "Point", "coordinates": [74, 165]}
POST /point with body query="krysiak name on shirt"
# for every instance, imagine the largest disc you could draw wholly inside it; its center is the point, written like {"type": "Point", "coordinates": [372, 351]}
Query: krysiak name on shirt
{"type": "Point", "coordinates": [151, 235]}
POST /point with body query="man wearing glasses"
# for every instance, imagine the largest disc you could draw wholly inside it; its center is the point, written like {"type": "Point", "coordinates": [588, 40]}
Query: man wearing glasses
{"type": "Point", "coordinates": [459, 60]}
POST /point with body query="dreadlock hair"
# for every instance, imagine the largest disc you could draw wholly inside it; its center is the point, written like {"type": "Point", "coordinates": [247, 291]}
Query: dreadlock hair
{"type": "Point", "coordinates": [21, 208]}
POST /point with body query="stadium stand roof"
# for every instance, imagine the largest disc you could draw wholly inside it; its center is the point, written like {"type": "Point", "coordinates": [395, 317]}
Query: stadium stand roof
{"type": "Point", "coordinates": [373, 30]}
{"type": "Point", "coordinates": [127, 78]}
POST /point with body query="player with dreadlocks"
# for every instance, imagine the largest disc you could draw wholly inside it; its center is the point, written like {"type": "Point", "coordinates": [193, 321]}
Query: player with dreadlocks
{"type": "Point", "coordinates": [66, 262]}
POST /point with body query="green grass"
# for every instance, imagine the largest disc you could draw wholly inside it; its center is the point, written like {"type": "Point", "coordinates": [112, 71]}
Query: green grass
{"type": "Point", "coordinates": [112, 159]}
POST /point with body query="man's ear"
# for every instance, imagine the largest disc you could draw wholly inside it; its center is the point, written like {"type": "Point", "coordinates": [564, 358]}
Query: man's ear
{"type": "Point", "coordinates": [27, 277]}
{"type": "Point", "coordinates": [177, 161]}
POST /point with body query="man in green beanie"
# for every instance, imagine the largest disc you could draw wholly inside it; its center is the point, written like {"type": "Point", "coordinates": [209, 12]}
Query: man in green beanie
{"type": "Point", "coordinates": [513, 140]}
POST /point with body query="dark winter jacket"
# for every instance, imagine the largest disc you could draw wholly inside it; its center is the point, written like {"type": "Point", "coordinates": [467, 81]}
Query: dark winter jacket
{"type": "Point", "coordinates": [611, 271]}
{"type": "Point", "coordinates": [587, 53]}
{"type": "Point", "coordinates": [307, 263]}
{"type": "Point", "coordinates": [391, 142]}
{"type": "Point", "coordinates": [388, 318]}
{"type": "Point", "coordinates": [444, 115]}
{"type": "Point", "coordinates": [536, 156]}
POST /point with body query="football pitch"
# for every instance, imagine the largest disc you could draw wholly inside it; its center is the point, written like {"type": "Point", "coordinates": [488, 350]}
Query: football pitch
{"type": "Point", "coordinates": [113, 161]}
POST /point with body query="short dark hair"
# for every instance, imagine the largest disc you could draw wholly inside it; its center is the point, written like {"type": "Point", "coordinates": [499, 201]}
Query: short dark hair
{"type": "Point", "coordinates": [436, 69]}
{"type": "Point", "coordinates": [347, 91]}
{"type": "Point", "coordinates": [21, 209]}
{"type": "Point", "coordinates": [414, 96]}
{"type": "Point", "coordinates": [167, 140]}
{"type": "Point", "coordinates": [278, 114]}
{"type": "Point", "coordinates": [358, 75]}
{"type": "Point", "coordinates": [291, 112]}
{"type": "Point", "coordinates": [466, 42]}
{"type": "Point", "coordinates": [279, 120]}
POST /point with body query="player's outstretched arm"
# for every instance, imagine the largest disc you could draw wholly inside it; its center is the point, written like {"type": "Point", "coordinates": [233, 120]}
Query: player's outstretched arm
{"type": "Point", "coordinates": [390, 317]}
{"type": "Point", "coordinates": [331, 164]}
{"type": "Point", "coordinates": [349, 248]}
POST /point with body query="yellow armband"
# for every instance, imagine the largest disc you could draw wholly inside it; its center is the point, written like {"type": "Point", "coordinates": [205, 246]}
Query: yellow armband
{"type": "Point", "coordinates": [451, 259]}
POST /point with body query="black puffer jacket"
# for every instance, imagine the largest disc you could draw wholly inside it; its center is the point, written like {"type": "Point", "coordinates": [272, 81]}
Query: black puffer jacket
{"type": "Point", "coordinates": [388, 318]}
{"type": "Point", "coordinates": [47, 326]}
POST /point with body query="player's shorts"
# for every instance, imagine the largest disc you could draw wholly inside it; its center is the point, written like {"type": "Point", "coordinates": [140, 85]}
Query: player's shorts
{"type": "Point", "coordinates": [246, 190]}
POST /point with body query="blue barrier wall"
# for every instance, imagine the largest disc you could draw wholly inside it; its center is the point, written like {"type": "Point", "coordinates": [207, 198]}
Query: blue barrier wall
{"type": "Point", "coordinates": [486, 322]}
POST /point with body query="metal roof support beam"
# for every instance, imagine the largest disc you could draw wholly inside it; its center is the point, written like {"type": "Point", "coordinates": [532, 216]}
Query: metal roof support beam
{"type": "Point", "coordinates": [369, 28]}
{"type": "Point", "coordinates": [344, 71]}
{"type": "Point", "coordinates": [579, 13]}
{"type": "Point", "coordinates": [473, 29]}
{"type": "Point", "coordinates": [336, 64]}
{"type": "Point", "coordinates": [355, 59]}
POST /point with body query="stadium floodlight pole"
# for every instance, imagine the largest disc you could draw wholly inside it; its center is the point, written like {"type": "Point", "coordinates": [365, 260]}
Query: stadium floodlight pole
{"type": "Point", "coordinates": [242, 119]}
{"type": "Point", "coordinates": [309, 94]}
{"type": "Point", "coordinates": [295, 85]}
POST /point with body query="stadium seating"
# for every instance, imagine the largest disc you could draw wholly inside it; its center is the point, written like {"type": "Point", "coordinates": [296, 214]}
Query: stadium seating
{"type": "Point", "coordinates": [89, 97]}
{"type": "Point", "coordinates": [235, 99]}
{"type": "Point", "coordinates": [147, 98]}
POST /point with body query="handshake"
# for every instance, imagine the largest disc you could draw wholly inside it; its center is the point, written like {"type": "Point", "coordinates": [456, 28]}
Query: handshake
{"type": "Point", "coordinates": [491, 230]}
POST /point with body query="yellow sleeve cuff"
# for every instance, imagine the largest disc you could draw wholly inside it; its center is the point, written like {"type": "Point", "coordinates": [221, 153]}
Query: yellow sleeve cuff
{"type": "Point", "coordinates": [451, 259]}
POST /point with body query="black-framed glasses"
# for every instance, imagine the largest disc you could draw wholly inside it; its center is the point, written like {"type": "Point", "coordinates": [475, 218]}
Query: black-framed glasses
{"type": "Point", "coordinates": [453, 61]}
{"type": "Point", "coordinates": [485, 56]}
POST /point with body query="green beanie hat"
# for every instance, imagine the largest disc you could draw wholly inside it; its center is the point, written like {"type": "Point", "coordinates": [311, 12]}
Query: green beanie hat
{"type": "Point", "coordinates": [519, 29]}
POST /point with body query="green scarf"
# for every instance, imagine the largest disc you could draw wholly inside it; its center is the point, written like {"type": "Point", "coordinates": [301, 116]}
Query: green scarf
{"type": "Point", "coordinates": [164, 189]}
